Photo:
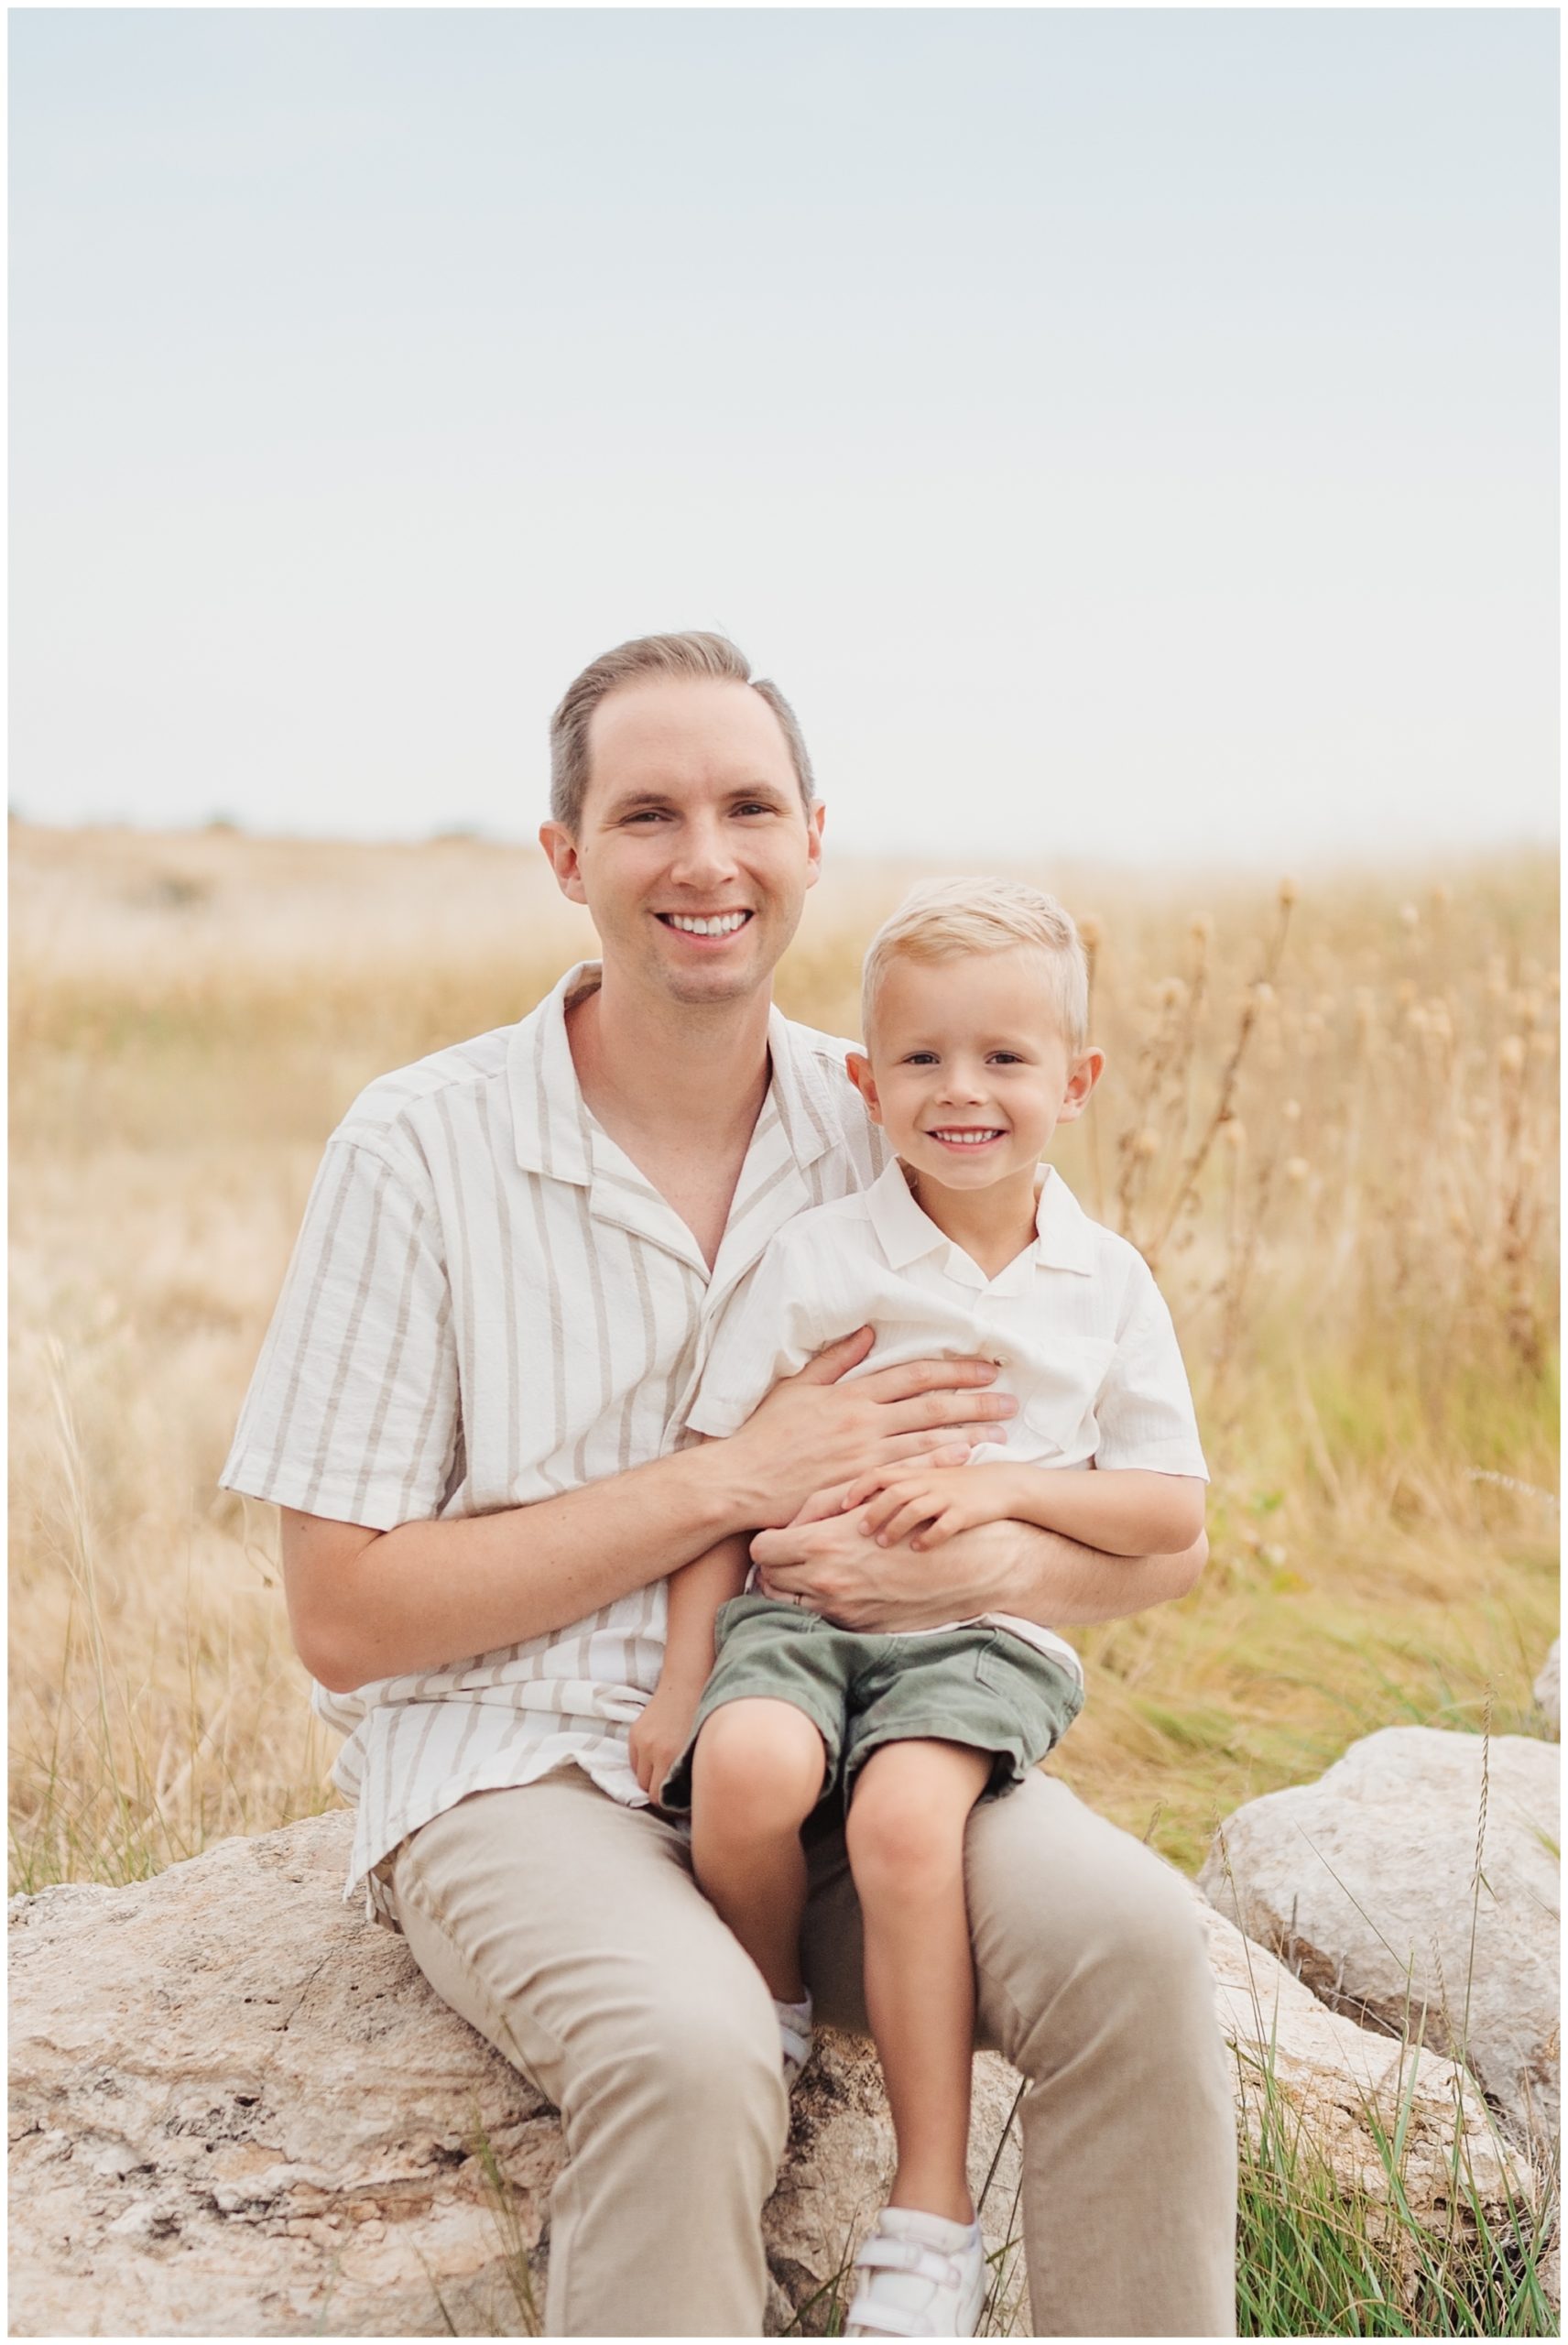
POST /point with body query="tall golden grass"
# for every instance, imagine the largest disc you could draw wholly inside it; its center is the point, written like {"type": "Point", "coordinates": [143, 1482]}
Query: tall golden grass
{"type": "Point", "coordinates": [1330, 1119]}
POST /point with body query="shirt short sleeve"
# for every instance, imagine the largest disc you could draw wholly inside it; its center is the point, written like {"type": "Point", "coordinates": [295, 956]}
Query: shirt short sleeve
{"type": "Point", "coordinates": [1144, 1412]}
{"type": "Point", "coordinates": [352, 1410]}
{"type": "Point", "coordinates": [765, 1330]}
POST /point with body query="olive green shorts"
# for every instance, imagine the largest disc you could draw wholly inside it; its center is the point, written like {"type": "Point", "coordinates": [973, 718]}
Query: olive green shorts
{"type": "Point", "coordinates": [977, 1686]}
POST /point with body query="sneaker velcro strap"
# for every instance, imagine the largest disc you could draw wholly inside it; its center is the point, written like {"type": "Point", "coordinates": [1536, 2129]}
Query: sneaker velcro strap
{"type": "Point", "coordinates": [909, 2255]}
{"type": "Point", "coordinates": [884, 2320]}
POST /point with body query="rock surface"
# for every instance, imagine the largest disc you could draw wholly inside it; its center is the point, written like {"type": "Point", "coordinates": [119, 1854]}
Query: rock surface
{"type": "Point", "coordinates": [237, 2111]}
{"type": "Point", "coordinates": [1339, 2093]}
{"type": "Point", "coordinates": [1368, 1885]}
{"type": "Point", "coordinates": [1547, 1687]}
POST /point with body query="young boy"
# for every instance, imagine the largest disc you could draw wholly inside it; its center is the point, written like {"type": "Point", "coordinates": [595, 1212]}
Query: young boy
{"type": "Point", "coordinates": [975, 1012]}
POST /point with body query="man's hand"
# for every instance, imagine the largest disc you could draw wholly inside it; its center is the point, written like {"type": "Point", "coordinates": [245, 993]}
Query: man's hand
{"type": "Point", "coordinates": [924, 1507]}
{"type": "Point", "coordinates": [830, 1564]}
{"type": "Point", "coordinates": [813, 1431]}
{"type": "Point", "coordinates": [661, 1733]}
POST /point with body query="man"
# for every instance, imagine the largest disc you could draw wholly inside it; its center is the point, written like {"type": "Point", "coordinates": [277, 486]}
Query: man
{"type": "Point", "coordinates": [470, 1408]}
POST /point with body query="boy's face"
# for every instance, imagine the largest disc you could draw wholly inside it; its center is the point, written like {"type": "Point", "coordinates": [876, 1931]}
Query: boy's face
{"type": "Point", "coordinates": [968, 1072]}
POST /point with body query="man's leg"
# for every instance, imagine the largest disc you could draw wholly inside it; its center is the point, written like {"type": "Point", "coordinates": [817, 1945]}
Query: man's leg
{"type": "Point", "coordinates": [568, 1929]}
{"type": "Point", "coordinates": [1092, 1980]}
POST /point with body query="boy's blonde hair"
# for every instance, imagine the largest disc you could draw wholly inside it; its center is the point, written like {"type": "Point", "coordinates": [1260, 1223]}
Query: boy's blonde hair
{"type": "Point", "coordinates": [947, 920]}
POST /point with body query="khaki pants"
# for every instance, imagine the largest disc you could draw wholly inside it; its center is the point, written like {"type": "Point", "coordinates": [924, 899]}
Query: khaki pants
{"type": "Point", "coordinates": [569, 1930]}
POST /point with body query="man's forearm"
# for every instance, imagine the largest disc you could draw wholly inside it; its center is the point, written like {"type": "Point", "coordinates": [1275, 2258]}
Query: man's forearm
{"type": "Point", "coordinates": [1004, 1566]}
{"type": "Point", "coordinates": [1062, 1584]}
{"type": "Point", "coordinates": [367, 1605]}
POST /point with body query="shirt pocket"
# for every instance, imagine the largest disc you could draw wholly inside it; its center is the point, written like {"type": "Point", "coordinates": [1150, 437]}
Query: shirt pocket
{"type": "Point", "coordinates": [1057, 1396]}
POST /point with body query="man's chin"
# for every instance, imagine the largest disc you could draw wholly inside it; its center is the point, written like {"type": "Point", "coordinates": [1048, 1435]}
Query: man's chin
{"type": "Point", "coordinates": [712, 989]}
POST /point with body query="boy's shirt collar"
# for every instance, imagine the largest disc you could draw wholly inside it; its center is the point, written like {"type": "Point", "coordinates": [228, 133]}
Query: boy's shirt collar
{"type": "Point", "coordinates": [1063, 1239]}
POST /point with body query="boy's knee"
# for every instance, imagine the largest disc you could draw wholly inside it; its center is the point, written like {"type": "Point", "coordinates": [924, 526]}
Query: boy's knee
{"type": "Point", "coordinates": [896, 1840]}
{"type": "Point", "coordinates": [759, 1767]}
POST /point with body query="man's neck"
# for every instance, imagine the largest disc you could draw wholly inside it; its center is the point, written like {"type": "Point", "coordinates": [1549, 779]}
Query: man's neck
{"type": "Point", "coordinates": [693, 1074]}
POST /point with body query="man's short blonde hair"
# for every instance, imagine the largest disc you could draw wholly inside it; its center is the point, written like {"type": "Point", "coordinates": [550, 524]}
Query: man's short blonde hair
{"type": "Point", "coordinates": [948, 919]}
{"type": "Point", "coordinates": [695, 655]}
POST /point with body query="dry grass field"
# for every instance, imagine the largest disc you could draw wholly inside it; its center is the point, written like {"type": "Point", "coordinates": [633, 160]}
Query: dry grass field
{"type": "Point", "coordinates": [1330, 1119]}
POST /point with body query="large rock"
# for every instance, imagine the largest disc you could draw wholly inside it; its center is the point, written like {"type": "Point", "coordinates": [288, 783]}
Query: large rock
{"type": "Point", "coordinates": [237, 2111]}
{"type": "Point", "coordinates": [1414, 1887]}
{"type": "Point", "coordinates": [1329, 2097]}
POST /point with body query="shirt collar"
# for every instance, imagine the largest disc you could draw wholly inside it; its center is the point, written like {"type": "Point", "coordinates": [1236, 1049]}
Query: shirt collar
{"type": "Point", "coordinates": [1063, 1237]}
{"type": "Point", "coordinates": [550, 1125]}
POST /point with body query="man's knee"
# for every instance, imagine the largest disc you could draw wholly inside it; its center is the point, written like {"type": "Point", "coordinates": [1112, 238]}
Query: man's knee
{"type": "Point", "coordinates": [682, 2061]}
{"type": "Point", "coordinates": [1092, 1939]}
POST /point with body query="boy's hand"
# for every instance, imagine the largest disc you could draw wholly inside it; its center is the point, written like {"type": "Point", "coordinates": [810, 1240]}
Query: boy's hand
{"type": "Point", "coordinates": [930, 1503]}
{"type": "Point", "coordinates": [661, 1733]}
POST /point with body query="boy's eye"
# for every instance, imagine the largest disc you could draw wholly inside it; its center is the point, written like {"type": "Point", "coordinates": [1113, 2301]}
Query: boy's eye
{"type": "Point", "coordinates": [1009, 1058]}
{"type": "Point", "coordinates": [919, 1058]}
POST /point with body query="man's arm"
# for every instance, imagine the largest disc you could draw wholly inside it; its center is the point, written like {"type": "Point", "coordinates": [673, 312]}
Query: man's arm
{"type": "Point", "coordinates": [365, 1604]}
{"type": "Point", "coordinates": [994, 1567]}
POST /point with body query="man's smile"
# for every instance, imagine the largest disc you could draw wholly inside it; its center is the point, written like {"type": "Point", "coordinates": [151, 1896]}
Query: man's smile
{"type": "Point", "coordinates": [705, 923]}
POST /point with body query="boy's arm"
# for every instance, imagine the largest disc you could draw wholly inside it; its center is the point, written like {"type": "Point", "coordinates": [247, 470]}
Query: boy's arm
{"type": "Point", "coordinates": [1122, 1511]}
{"type": "Point", "coordinates": [660, 1733]}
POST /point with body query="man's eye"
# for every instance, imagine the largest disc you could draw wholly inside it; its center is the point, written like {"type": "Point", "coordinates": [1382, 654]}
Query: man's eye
{"type": "Point", "coordinates": [647, 814]}
{"type": "Point", "coordinates": [755, 807]}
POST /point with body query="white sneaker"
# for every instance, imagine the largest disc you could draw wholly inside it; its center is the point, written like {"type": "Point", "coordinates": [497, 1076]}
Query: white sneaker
{"type": "Point", "coordinates": [794, 2037]}
{"type": "Point", "coordinates": [924, 2277]}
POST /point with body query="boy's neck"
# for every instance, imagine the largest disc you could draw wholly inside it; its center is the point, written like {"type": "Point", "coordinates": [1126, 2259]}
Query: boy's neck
{"type": "Point", "coordinates": [994, 1225]}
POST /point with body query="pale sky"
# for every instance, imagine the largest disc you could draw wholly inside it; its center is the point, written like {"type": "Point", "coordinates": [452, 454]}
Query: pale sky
{"type": "Point", "coordinates": [1124, 434]}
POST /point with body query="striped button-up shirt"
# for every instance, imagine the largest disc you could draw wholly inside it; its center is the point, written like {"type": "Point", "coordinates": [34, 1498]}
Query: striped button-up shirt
{"type": "Point", "coordinates": [489, 1305]}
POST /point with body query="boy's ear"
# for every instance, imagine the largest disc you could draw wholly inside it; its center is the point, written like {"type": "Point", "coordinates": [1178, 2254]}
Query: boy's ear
{"type": "Point", "coordinates": [858, 1067]}
{"type": "Point", "coordinates": [1082, 1076]}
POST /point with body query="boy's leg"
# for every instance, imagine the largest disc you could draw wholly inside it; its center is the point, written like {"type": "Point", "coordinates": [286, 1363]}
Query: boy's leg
{"type": "Point", "coordinates": [568, 1929]}
{"type": "Point", "coordinates": [1093, 1979]}
{"type": "Point", "coordinates": [905, 1838]}
{"type": "Point", "coordinates": [756, 1773]}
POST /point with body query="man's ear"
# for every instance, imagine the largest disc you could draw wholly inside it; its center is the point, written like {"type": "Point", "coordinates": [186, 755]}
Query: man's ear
{"type": "Point", "coordinates": [1082, 1076]}
{"type": "Point", "coordinates": [815, 817]}
{"type": "Point", "coordinates": [562, 848]}
{"type": "Point", "coordinates": [858, 1067]}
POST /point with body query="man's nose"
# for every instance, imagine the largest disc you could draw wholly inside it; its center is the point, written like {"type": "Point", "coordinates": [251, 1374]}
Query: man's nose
{"type": "Point", "coordinates": [704, 855]}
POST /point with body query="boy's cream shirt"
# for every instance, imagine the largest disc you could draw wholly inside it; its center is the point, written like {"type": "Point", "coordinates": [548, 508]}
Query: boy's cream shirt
{"type": "Point", "coordinates": [1075, 1322]}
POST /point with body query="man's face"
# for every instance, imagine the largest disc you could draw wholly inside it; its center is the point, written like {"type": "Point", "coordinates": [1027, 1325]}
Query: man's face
{"type": "Point", "coordinates": [693, 853]}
